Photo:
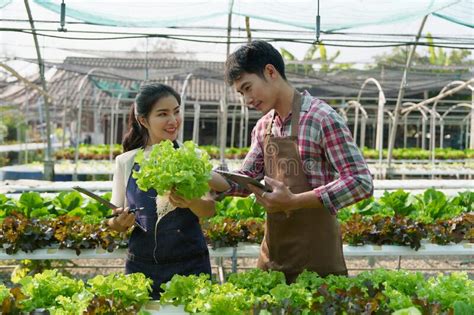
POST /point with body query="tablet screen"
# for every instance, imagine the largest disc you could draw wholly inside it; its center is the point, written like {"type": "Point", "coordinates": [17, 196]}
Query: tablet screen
{"type": "Point", "coordinates": [244, 180]}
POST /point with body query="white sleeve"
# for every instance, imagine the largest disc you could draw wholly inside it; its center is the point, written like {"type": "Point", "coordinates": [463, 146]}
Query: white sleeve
{"type": "Point", "coordinates": [118, 186]}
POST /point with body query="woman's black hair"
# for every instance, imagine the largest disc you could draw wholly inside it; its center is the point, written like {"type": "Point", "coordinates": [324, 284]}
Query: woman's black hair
{"type": "Point", "coordinates": [137, 135]}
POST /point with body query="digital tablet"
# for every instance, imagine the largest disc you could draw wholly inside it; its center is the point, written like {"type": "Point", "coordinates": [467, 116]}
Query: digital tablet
{"type": "Point", "coordinates": [244, 180]}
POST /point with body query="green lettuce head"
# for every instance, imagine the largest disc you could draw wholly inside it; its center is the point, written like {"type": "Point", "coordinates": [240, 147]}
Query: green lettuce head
{"type": "Point", "coordinates": [186, 169]}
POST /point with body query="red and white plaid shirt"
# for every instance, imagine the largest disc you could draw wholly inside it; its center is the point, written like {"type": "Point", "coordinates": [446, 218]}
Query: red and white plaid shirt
{"type": "Point", "coordinates": [333, 164]}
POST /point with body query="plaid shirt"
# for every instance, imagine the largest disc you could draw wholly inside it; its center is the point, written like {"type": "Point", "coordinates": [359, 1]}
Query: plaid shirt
{"type": "Point", "coordinates": [332, 162]}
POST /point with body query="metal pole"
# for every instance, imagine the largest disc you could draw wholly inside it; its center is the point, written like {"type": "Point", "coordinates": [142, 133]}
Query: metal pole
{"type": "Point", "coordinates": [183, 105]}
{"type": "Point", "coordinates": [432, 129]}
{"type": "Point", "coordinates": [78, 138]}
{"type": "Point", "coordinates": [380, 114]}
{"type": "Point", "coordinates": [247, 29]}
{"type": "Point", "coordinates": [234, 259]}
{"type": "Point", "coordinates": [445, 114]}
{"type": "Point", "coordinates": [466, 121]}
{"type": "Point", "coordinates": [242, 121]}
{"type": "Point", "coordinates": [418, 134]}
{"type": "Point", "coordinates": [197, 113]}
{"type": "Point", "coordinates": [471, 143]}
{"type": "Point", "coordinates": [79, 121]}
{"type": "Point", "coordinates": [218, 123]}
{"type": "Point", "coordinates": [232, 130]}
{"type": "Point", "coordinates": [441, 134]}
{"type": "Point", "coordinates": [246, 132]}
{"type": "Point", "coordinates": [401, 94]}
{"type": "Point", "coordinates": [405, 131]}
{"type": "Point", "coordinates": [229, 26]}
{"type": "Point", "coordinates": [66, 102]}
{"type": "Point", "coordinates": [423, 133]}
{"type": "Point", "coordinates": [434, 112]}
{"type": "Point", "coordinates": [124, 125]}
{"type": "Point", "coordinates": [146, 60]}
{"type": "Point", "coordinates": [96, 114]}
{"type": "Point", "coordinates": [223, 135]}
{"type": "Point", "coordinates": [363, 123]}
{"type": "Point", "coordinates": [116, 122]}
{"type": "Point", "coordinates": [27, 108]}
{"type": "Point", "coordinates": [113, 127]}
{"type": "Point", "coordinates": [48, 162]}
{"type": "Point", "coordinates": [380, 111]}
{"type": "Point", "coordinates": [356, 124]}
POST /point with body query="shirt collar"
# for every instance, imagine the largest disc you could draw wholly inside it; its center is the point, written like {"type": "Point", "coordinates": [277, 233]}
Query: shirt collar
{"type": "Point", "coordinates": [305, 105]}
{"type": "Point", "coordinates": [306, 101]}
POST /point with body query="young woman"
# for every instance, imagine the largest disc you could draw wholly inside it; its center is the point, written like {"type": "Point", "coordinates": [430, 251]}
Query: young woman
{"type": "Point", "coordinates": [174, 244]}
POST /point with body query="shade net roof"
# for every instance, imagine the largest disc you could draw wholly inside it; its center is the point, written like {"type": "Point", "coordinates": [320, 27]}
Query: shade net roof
{"type": "Point", "coordinates": [337, 14]}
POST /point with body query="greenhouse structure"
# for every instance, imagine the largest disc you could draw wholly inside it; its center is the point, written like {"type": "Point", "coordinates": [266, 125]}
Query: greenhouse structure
{"type": "Point", "coordinates": [135, 179]}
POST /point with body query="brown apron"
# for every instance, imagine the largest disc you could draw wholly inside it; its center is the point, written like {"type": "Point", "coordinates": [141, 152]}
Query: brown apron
{"type": "Point", "coordinates": [305, 238]}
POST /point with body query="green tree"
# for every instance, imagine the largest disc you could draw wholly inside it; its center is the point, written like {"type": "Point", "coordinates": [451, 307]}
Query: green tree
{"type": "Point", "coordinates": [311, 55]}
{"type": "Point", "coordinates": [437, 56]}
{"type": "Point", "coordinates": [440, 57]}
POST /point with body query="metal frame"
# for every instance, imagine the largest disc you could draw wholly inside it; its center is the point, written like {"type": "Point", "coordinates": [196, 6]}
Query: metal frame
{"type": "Point", "coordinates": [433, 121]}
{"type": "Point", "coordinates": [357, 106]}
{"type": "Point", "coordinates": [380, 111]}
{"type": "Point", "coordinates": [423, 110]}
{"type": "Point", "coordinates": [441, 133]}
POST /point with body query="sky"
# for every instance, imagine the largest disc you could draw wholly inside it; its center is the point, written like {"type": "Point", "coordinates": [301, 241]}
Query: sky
{"type": "Point", "coordinates": [16, 45]}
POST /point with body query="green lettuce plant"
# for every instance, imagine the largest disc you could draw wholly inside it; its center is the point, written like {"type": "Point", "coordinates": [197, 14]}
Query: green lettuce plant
{"type": "Point", "coordinates": [186, 170]}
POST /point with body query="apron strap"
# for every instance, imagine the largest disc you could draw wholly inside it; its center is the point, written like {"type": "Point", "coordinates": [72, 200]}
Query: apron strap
{"type": "Point", "coordinates": [295, 119]}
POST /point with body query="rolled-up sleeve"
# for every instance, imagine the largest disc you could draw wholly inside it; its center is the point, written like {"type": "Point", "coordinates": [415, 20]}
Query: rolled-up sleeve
{"type": "Point", "coordinates": [118, 185]}
{"type": "Point", "coordinates": [355, 181]}
{"type": "Point", "coordinates": [253, 165]}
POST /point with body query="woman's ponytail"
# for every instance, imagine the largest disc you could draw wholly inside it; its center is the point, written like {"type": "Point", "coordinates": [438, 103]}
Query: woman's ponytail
{"type": "Point", "coordinates": [137, 135]}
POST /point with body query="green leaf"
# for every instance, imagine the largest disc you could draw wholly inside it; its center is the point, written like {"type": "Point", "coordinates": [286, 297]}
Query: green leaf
{"type": "Point", "coordinates": [187, 170]}
{"type": "Point", "coordinates": [400, 202]}
{"type": "Point", "coordinates": [39, 213]}
{"type": "Point", "coordinates": [43, 288]}
{"type": "Point", "coordinates": [408, 311]}
{"type": "Point", "coordinates": [77, 212]}
{"type": "Point", "coordinates": [433, 58]}
{"type": "Point", "coordinates": [462, 308]}
{"type": "Point", "coordinates": [129, 290]}
{"type": "Point", "coordinates": [286, 54]}
{"type": "Point", "coordinates": [30, 201]}
{"type": "Point", "coordinates": [68, 200]}
{"type": "Point", "coordinates": [4, 293]}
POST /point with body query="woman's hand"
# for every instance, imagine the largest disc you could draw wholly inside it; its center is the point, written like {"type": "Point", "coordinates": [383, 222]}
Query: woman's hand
{"type": "Point", "coordinates": [202, 207]}
{"type": "Point", "coordinates": [180, 202]}
{"type": "Point", "coordinates": [123, 221]}
{"type": "Point", "coordinates": [218, 182]}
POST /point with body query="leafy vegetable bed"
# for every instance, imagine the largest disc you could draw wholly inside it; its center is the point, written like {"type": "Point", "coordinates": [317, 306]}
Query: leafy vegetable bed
{"type": "Point", "coordinates": [375, 292]}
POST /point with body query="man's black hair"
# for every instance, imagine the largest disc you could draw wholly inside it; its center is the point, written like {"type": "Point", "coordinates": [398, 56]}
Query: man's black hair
{"type": "Point", "coordinates": [252, 58]}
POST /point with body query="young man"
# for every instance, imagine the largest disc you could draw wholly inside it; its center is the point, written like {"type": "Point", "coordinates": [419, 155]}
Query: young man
{"type": "Point", "coordinates": [306, 153]}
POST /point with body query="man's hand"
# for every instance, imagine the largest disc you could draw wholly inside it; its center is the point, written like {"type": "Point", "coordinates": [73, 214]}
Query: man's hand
{"type": "Point", "coordinates": [280, 199]}
{"type": "Point", "coordinates": [123, 221]}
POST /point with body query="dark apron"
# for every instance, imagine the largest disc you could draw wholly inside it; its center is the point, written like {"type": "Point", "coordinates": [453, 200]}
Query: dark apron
{"type": "Point", "coordinates": [178, 247]}
{"type": "Point", "coordinates": [305, 238]}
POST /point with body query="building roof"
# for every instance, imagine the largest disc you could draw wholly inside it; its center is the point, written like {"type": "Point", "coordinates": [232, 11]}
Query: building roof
{"type": "Point", "coordinates": [206, 84]}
